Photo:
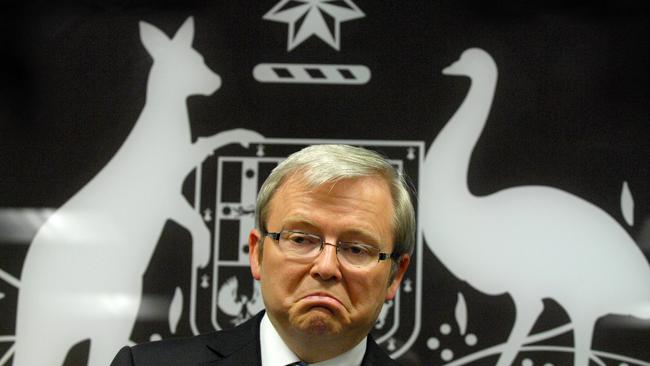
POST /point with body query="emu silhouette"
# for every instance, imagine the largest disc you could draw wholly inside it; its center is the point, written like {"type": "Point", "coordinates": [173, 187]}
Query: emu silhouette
{"type": "Point", "coordinates": [532, 242]}
{"type": "Point", "coordinates": [82, 277]}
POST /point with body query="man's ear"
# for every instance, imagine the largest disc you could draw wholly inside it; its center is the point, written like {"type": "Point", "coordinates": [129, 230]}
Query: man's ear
{"type": "Point", "coordinates": [402, 266]}
{"type": "Point", "coordinates": [254, 239]}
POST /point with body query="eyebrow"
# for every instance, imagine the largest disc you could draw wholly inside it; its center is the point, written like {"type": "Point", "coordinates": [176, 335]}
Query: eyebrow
{"type": "Point", "coordinates": [368, 237]}
{"type": "Point", "coordinates": [298, 221]}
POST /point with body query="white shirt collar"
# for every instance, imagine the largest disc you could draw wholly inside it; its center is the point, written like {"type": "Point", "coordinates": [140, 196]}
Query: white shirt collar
{"type": "Point", "coordinates": [276, 353]}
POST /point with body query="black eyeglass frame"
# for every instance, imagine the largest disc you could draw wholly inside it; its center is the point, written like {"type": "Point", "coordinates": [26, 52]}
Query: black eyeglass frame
{"type": "Point", "coordinates": [381, 256]}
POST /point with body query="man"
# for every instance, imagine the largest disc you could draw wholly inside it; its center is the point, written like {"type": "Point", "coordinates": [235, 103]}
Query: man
{"type": "Point", "coordinates": [335, 230]}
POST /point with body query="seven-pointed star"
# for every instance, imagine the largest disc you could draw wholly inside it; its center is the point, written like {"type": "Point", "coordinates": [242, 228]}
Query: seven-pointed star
{"type": "Point", "coordinates": [321, 18]}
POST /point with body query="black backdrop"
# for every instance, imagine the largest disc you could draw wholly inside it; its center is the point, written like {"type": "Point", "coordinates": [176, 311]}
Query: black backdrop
{"type": "Point", "coordinates": [570, 111]}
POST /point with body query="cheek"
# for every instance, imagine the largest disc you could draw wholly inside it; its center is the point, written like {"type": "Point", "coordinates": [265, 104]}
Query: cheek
{"type": "Point", "coordinates": [368, 292]}
{"type": "Point", "coordinates": [275, 293]}
{"type": "Point", "coordinates": [280, 281]}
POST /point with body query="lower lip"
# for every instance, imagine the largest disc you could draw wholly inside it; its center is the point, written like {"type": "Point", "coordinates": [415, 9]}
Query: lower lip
{"type": "Point", "coordinates": [325, 301]}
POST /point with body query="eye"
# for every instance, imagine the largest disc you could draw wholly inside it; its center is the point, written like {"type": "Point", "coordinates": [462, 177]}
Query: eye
{"type": "Point", "coordinates": [302, 239]}
{"type": "Point", "coordinates": [356, 249]}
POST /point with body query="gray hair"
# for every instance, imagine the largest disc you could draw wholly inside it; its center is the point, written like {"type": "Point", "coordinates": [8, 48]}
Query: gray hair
{"type": "Point", "coordinates": [320, 164]}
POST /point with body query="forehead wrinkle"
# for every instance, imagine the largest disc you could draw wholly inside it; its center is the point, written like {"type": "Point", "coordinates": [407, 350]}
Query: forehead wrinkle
{"type": "Point", "coordinates": [299, 220]}
{"type": "Point", "coordinates": [327, 196]}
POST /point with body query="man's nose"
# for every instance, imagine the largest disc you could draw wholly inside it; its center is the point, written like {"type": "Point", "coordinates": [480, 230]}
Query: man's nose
{"type": "Point", "coordinates": [326, 266]}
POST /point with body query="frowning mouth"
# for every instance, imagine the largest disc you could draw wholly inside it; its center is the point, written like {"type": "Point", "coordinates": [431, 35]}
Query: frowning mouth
{"type": "Point", "coordinates": [321, 299]}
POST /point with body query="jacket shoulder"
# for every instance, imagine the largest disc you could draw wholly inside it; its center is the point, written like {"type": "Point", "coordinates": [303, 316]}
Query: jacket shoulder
{"type": "Point", "coordinates": [199, 349]}
{"type": "Point", "coordinates": [176, 351]}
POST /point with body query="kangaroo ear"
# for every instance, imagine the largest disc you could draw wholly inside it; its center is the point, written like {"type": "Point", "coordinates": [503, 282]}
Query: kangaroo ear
{"type": "Point", "coordinates": [185, 34]}
{"type": "Point", "coordinates": [153, 39]}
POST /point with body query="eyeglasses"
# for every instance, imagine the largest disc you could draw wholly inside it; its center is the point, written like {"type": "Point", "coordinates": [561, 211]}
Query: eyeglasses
{"type": "Point", "coordinates": [306, 247]}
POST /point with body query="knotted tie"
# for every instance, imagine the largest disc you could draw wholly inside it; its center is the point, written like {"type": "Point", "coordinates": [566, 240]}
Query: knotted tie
{"type": "Point", "coordinates": [298, 363]}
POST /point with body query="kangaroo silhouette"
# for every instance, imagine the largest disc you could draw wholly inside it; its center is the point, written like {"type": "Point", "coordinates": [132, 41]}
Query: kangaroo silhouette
{"type": "Point", "coordinates": [82, 276]}
{"type": "Point", "coordinates": [532, 242]}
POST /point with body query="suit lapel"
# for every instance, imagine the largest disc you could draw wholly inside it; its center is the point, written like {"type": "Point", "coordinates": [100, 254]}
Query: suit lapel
{"type": "Point", "coordinates": [237, 346]}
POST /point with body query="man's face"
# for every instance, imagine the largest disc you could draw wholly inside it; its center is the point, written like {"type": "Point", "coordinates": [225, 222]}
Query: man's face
{"type": "Point", "coordinates": [324, 297]}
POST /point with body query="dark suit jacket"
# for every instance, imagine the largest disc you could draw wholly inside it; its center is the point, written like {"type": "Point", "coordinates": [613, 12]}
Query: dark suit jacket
{"type": "Point", "coordinates": [236, 347]}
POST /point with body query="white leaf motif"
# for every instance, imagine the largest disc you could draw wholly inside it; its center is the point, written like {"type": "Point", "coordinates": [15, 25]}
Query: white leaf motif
{"type": "Point", "coordinates": [175, 310]}
{"type": "Point", "coordinates": [461, 314]}
{"type": "Point", "coordinates": [627, 204]}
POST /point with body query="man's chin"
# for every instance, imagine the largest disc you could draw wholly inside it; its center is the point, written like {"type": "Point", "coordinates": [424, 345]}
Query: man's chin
{"type": "Point", "coordinates": [319, 321]}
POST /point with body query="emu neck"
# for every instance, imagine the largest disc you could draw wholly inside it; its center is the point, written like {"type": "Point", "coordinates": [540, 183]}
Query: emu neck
{"type": "Point", "coordinates": [449, 157]}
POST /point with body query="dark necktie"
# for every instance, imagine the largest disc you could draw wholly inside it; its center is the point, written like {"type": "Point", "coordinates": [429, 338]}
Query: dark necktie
{"type": "Point", "coordinates": [299, 363]}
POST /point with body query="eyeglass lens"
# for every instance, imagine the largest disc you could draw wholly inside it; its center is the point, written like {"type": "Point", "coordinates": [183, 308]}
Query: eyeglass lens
{"type": "Point", "coordinates": [303, 246]}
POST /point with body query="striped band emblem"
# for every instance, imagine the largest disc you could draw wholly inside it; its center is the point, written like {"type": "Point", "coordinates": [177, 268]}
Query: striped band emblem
{"type": "Point", "coordinates": [311, 73]}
